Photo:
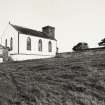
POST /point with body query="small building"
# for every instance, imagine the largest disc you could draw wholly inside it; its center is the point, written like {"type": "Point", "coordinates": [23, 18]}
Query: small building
{"type": "Point", "coordinates": [25, 43]}
{"type": "Point", "coordinates": [3, 54]}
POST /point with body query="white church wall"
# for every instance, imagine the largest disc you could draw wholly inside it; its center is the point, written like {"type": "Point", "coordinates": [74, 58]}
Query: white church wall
{"type": "Point", "coordinates": [34, 45]}
{"type": "Point", "coordinates": [25, 54]}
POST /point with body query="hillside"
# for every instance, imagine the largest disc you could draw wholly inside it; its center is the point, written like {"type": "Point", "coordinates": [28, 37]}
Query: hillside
{"type": "Point", "coordinates": [54, 81]}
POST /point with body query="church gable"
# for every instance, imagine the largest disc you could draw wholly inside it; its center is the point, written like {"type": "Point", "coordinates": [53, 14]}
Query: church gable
{"type": "Point", "coordinates": [9, 39]}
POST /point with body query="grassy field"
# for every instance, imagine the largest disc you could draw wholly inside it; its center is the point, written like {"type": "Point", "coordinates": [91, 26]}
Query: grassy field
{"type": "Point", "coordinates": [54, 81]}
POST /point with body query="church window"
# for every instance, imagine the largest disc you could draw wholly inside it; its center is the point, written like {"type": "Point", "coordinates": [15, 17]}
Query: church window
{"type": "Point", "coordinates": [50, 46]}
{"type": "Point", "coordinates": [11, 44]}
{"type": "Point", "coordinates": [28, 43]}
{"type": "Point", "coordinates": [5, 42]}
{"type": "Point", "coordinates": [40, 45]}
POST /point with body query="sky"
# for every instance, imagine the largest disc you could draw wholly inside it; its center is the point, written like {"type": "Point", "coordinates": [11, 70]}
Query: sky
{"type": "Point", "coordinates": [74, 20]}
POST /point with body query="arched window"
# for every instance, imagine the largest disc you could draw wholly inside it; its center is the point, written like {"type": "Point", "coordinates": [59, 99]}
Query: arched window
{"type": "Point", "coordinates": [40, 45]}
{"type": "Point", "coordinates": [5, 42]}
{"type": "Point", "coordinates": [28, 43]}
{"type": "Point", "coordinates": [50, 46]}
{"type": "Point", "coordinates": [11, 44]}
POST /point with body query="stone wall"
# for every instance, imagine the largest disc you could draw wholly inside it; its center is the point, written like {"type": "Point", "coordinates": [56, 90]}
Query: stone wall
{"type": "Point", "coordinates": [83, 53]}
{"type": "Point", "coordinates": [5, 55]}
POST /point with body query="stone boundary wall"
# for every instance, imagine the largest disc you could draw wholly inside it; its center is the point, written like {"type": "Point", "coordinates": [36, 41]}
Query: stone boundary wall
{"type": "Point", "coordinates": [83, 53]}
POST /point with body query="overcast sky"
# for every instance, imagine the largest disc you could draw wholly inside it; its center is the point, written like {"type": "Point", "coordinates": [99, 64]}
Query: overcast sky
{"type": "Point", "coordinates": [75, 20]}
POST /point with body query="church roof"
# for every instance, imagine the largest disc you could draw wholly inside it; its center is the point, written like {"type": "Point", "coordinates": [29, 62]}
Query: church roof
{"type": "Point", "coordinates": [28, 31]}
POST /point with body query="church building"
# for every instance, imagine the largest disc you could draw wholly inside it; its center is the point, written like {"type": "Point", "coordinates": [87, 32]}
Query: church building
{"type": "Point", "coordinates": [25, 43]}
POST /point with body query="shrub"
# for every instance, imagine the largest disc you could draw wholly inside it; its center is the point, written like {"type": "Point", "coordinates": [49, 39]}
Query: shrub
{"type": "Point", "coordinates": [80, 46]}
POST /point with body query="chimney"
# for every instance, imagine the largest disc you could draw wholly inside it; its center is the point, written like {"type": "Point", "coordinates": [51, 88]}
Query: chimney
{"type": "Point", "coordinates": [49, 31]}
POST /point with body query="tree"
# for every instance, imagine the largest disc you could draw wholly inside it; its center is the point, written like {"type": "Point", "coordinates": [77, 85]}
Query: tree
{"type": "Point", "coordinates": [102, 43]}
{"type": "Point", "coordinates": [80, 46]}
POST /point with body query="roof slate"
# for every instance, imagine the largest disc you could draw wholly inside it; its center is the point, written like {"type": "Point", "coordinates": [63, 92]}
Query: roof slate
{"type": "Point", "coordinates": [31, 32]}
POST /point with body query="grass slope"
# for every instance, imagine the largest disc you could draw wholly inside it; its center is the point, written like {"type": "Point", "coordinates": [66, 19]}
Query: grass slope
{"type": "Point", "coordinates": [55, 81]}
